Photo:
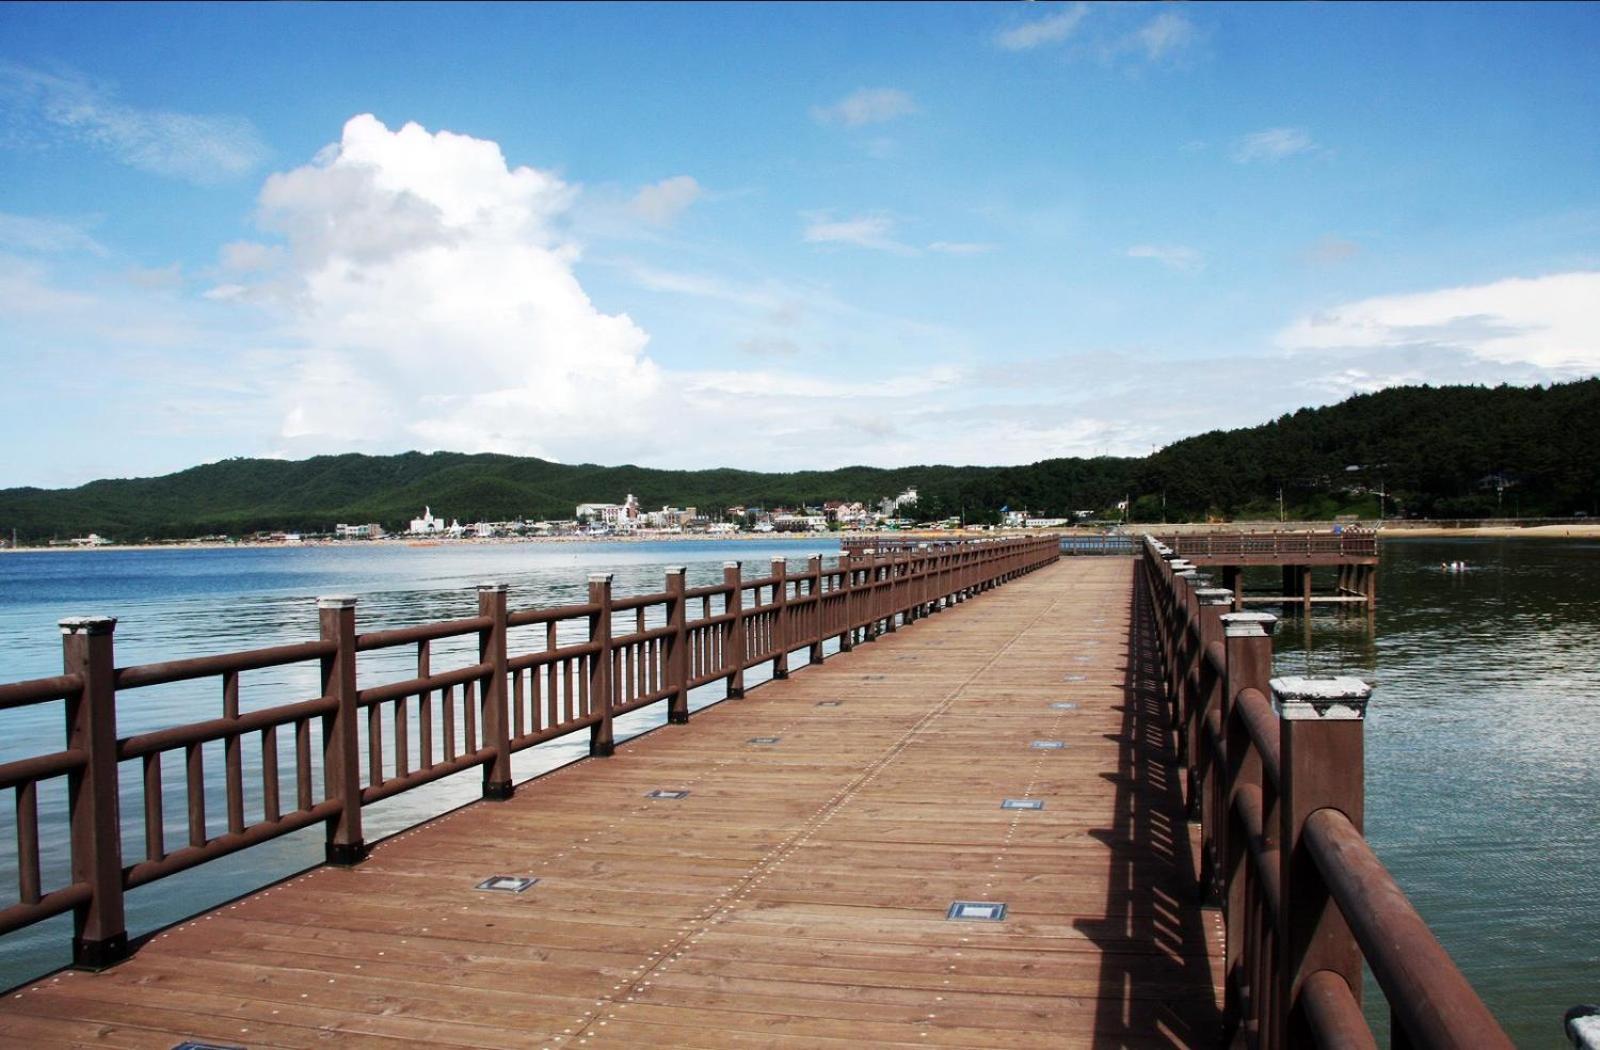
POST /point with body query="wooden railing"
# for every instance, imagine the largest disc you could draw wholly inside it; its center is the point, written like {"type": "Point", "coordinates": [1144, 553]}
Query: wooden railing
{"type": "Point", "coordinates": [1358, 543]}
{"type": "Point", "coordinates": [539, 674]}
{"type": "Point", "coordinates": [1274, 775]}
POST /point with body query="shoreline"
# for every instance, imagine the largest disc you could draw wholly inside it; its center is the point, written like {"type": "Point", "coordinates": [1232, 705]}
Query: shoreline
{"type": "Point", "coordinates": [1390, 531]}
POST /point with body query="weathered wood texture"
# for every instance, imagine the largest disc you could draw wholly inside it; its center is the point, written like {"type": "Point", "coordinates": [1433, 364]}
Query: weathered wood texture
{"type": "Point", "coordinates": [796, 897]}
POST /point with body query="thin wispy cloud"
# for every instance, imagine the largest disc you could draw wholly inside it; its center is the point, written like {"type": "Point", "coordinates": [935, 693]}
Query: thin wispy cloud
{"type": "Point", "coordinates": [198, 148]}
{"type": "Point", "coordinates": [1272, 145]}
{"type": "Point", "coordinates": [962, 247]}
{"type": "Point", "coordinates": [867, 231]}
{"type": "Point", "coordinates": [661, 203]}
{"type": "Point", "coordinates": [1040, 32]}
{"type": "Point", "coordinates": [31, 233]}
{"type": "Point", "coordinates": [1164, 36]}
{"type": "Point", "coordinates": [1172, 256]}
{"type": "Point", "coordinates": [1331, 250]}
{"type": "Point", "coordinates": [866, 106]}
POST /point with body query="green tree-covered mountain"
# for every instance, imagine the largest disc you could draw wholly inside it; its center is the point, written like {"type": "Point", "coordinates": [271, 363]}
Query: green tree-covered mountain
{"type": "Point", "coordinates": [1431, 451]}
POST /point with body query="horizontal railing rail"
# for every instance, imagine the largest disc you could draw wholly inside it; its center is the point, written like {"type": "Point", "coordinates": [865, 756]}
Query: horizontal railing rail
{"type": "Point", "coordinates": [321, 759]}
{"type": "Point", "coordinates": [1273, 772]}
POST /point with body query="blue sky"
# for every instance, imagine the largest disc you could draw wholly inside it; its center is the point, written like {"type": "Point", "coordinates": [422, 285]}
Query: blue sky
{"type": "Point", "coordinates": [773, 236]}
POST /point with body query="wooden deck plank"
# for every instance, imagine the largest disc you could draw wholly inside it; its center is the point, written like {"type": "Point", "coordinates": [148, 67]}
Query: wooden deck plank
{"type": "Point", "coordinates": [795, 898]}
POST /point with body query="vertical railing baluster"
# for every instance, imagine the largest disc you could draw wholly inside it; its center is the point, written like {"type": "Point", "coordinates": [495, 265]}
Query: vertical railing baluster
{"type": "Point", "coordinates": [271, 803]}
{"type": "Point", "coordinates": [27, 801]}
{"type": "Point", "coordinates": [155, 818]}
{"type": "Point", "coordinates": [233, 761]}
{"type": "Point", "coordinates": [780, 617]}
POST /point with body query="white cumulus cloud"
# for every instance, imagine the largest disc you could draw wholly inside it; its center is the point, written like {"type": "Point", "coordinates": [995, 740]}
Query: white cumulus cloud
{"type": "Point", "coordinates": [435, 299]}
{"type": "Point", "coordinates": [1550, 322]}
{"type": "Point", "coordinates": [866, 106]}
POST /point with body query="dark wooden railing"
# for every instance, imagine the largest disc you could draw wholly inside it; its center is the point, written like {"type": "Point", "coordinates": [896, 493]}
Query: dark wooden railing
{"type": "Point", "coordinates": [1357, 543]}
{"type": "Point", "coordinates": [1274, 775]}
{"type": "Point", "coordinates": [539, 674]}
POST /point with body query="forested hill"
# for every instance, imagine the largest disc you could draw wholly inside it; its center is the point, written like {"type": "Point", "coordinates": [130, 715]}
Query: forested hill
{"type": "Point", "coordinates": [1431, 451]}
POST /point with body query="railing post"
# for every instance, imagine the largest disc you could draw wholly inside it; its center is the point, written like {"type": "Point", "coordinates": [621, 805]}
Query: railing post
{"type": "Point", "coordinates": [814, 575]}
{"type": "Point", "coordinates": [1248, 639]}
{"type": "Point", "coordinates": [678, 647]}
{"type": "Point", "coordinates": [341, 760]}
{"type": "Point", "coordinates": [1321, 721]}
{"type": "Point", "coordinates": [496, 725]}
{"type": "Point", "coordinates": [601, 742]}
{"type": "Point", "coordinates": [780, 617]}
{"type": "Point", "coordinates": [99, 929]}
{"type": "Point", "coordinates": [734, 650]}
{"type": "Point", "coordinates": [847, 581]}
{"type": "Point", "coordinates": [891, 602]}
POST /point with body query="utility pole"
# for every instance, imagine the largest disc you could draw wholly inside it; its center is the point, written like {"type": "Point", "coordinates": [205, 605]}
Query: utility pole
{"type": "Point", "coordinates": [1280, 504]}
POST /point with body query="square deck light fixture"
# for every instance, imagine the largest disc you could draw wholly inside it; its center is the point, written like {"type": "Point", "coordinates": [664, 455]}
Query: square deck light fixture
{"type": "Point", "coordinates": [763, 740]}
{"type": "Point", "coordinates": [1022, 803]}
{"type": "Point", "coordinates": [1049, 745]}
{"type": "Point", "coordinates": [506, 883]}
{"type": "Point", "coordinates": [662, 793]}
{"type": "Point", "coordinates": [976, 911]}
{"type": "Point", "coordinates": [1065, 705]}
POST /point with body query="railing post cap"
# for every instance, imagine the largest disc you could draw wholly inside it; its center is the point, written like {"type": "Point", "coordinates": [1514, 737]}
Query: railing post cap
{"type": "Point", "coordinates": [677, 570]}
{"type": "Point", "coordinates": [780, 559]}
{"type": "Point", "coordinates": [493, 587]}
{"type": "Point", "coordinates": [1338, 698]}
{"type": "Point", "coordinates": [1214, 595]}
{"type": "Point", "coordinates": [87, 624]}
{"type": "Point", "coordinates": [337, 601]}
{"type": "Point", "coordinates": [600, 577]}
{"type": "Point", "coordinates": [1583, 1027]}
{"type": "Point", "coordinates": [1248, 624]}
{"type": "Point", "coordinates": [731, 564]}
{"type": "Point", "coordinates": [1179, 564]}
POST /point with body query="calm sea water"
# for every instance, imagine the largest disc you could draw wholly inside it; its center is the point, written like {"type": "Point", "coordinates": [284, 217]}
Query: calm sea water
{"type": "Point", "coordinates": [1483, 785]}
{"type": "Point", "coordinates": [1482, 781]}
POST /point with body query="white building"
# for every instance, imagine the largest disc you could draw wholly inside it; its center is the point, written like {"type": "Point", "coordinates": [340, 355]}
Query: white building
{"type": "Point", "coordinates": [371, 531]}
{"type": "Point", "coordinates": [427, 525]}
{"type": "Point", "coordinates": [620, 516]}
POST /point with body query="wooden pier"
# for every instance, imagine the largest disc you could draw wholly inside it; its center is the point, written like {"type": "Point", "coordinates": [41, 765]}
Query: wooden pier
{"type": "Point", "coordinates": [999, 826]}
{"type": "Point", "coordinates": [1351, 554]}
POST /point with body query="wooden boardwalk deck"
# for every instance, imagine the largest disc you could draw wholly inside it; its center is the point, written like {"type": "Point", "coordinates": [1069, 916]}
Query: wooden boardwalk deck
{"type": "Point", "coordinates": [796, 897]}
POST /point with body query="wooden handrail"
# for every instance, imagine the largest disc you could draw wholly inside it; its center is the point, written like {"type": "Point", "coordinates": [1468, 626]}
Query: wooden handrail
{"type": "Point", "coordinates": [1276, 778]}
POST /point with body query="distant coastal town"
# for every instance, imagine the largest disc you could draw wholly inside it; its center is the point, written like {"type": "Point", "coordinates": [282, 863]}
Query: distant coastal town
{"type": "Point", "coordinates": [626, 520]}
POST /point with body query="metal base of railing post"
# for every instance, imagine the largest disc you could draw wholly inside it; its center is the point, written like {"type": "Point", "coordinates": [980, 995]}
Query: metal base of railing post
{"type": "Point", "coordinates": [345, 854]}
{"type": "Point", "coordinates": [499, 791]}
{"type": "Point", "coordinates": [678, 718]}
{"type": "Point", "coordinates": [99, 955]}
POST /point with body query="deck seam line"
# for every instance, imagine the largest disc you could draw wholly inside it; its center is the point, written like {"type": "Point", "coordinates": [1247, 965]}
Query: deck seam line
{"type": "Point", "coordinates": [773, 859]}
